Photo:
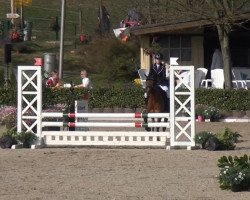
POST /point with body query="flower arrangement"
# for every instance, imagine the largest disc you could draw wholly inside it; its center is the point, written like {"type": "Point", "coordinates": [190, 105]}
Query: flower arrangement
{"type": "Point", "coordinates": [234, 173]}
{"type": "Point", "coordinates": [137, 81]}
{"type": "Point", "coordinates": [212, 113]}
{"type": "Point", "coordinates": [200, 109]}
{"type": "Point", "coordinates": [8, 116]}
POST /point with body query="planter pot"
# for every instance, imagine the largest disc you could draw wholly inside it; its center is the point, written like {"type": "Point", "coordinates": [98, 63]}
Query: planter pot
{"type": "Point", "coordinates": [118, 110]}
{"type": "Point", "coordinates": [239, 113]}
{"type": "Point", "coordinates": [200, 118]}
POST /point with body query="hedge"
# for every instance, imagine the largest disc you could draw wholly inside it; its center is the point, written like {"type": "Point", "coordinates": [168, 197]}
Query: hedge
{"type": "Point", "coordinates": [131, 97]}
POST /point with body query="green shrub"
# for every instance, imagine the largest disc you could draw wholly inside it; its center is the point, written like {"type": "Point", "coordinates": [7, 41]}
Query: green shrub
{"type": "Point", "coordinates": [234, 173]}
{"type": "Point", "coordinates": [26, 138]}
{"type": "Point", "coordinates": [227, 139]}
{"type": "Point", "coordinates": [116, 60]}
{"type": "Point", "coordinates": [12, 137]}
{"type": "Point", "coordinates": [8, 139]}
{"type": "Point", "coordinates": [202, 137]}
{"type": "Point", "coordinates": [8, 95]}
{"type": "Point", "coordinates": [132, 96]}
{"type": "Point", "coordinates": [224, 99]}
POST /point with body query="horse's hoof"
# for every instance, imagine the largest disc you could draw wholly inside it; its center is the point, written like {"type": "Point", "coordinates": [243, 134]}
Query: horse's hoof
{"type": "Point", "coordinates": [148, 129]}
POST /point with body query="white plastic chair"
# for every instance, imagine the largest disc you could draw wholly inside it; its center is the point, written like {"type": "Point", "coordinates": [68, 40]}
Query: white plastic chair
{"type": "Point", "coordinates": [238, 81]}
{"type": "Point", "coordinates": [216, 81]}
{"type": "Point", "coordinates": [143, 73]}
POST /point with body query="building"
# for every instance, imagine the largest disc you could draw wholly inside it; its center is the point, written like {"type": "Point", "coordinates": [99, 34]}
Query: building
{"type": "Point", "coordinates": [193, 41]}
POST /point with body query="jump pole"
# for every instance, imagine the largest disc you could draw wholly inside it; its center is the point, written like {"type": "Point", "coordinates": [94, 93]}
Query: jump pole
{"type": "Point", "coordinates": [106, 115]}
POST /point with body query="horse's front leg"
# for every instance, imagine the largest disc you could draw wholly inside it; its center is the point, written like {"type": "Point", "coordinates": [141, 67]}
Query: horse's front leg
{"type": "Point", "coordinates": [164, 128]}
{"type": "Point", "coordinates": [153, 120]}
{"type": "Point", "coordinates": [146, 122]}
{"type": "Point", "coordinates": [158, 128]}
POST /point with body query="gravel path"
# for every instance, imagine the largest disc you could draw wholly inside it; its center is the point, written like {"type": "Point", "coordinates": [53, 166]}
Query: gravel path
{"type": "Point", "coordinates": [85, 173]}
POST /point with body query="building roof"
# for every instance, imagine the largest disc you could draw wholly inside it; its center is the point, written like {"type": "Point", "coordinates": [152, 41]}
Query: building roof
{"type": "Point", "coordinates": [176, 25]}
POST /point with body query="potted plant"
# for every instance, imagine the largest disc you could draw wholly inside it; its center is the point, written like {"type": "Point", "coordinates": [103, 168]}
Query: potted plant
{"type": "Point", "coordinates": [199, 112]}
{"type": "Point", "coordinates": [8, 139]}
{"type": "Point", "coordinates": [228, 138]}
{"type": "Point", "coordinates": [212, 113]}
{"type": "Point", "coordinates": [224, 140]}
{"type": "Point", "coordinates": [26, 138]}
{"type": "Point", "coordinates": [234, 173]}
{"type": "Point", "coordinates": [202, 137]}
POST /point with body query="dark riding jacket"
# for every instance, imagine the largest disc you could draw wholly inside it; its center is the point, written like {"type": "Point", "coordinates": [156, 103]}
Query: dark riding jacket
{"type": "Point", "coordinates": [158, 75]}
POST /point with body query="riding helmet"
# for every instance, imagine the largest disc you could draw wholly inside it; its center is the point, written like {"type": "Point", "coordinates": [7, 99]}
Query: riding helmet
{"type": "Point", "coordinates": [158, 56]}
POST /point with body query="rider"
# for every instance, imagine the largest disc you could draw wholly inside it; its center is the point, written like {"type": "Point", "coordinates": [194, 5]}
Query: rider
{"type": "Point", "coordinates": [158, 74]}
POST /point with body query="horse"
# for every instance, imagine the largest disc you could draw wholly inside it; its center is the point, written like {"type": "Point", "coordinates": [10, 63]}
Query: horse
{"type": "Point", "coordinates": [155, 103]}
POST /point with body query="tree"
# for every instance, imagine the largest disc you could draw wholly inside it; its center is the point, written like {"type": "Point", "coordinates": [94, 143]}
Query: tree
{"type": "Point", "coordinates": [225, 15]}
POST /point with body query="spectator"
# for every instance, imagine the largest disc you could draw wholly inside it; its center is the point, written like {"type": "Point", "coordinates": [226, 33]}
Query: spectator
{"type": "Point", "coordinates": [217, 60]}
{"type": "Point", "coordinates": [86, 83]}
{"type": "Point", "coordinates": [53, 81]}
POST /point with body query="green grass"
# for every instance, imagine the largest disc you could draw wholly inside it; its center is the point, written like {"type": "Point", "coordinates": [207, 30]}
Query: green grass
{"type": "Point", "coordinates": [42, 12]}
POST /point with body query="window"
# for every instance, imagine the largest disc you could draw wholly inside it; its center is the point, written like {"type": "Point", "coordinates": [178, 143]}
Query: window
{"type": "Point", "coordinates": [176, 46]}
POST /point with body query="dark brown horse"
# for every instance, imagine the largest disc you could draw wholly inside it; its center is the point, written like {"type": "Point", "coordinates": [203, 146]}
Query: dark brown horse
{"type": "Point", "coordinates": [155, 103]}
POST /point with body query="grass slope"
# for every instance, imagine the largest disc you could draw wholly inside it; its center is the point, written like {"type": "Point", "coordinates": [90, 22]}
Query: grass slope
{"type": "Point", "coordinates": [43, 12]}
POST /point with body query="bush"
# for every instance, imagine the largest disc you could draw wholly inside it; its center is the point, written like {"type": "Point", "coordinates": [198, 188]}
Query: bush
{"type": "Point", "coordinates": [202, 137]}
{"type": "Point", "coordinates": [112, 58]}
{"type": "Point", "coordinates": [234, 173]}
{"type": "Point", "coordinates": [228, 138]}
{"type": "Point", "coordinates": [8, 116]}
{"type": "Point", "coordinates": [224, 140]}
{"type": "Point", "coordinates": [12, 137]}
{"type": "Point", "coordinates": [26, 138]}
{"type": "Point", "coordinates": [224, 99]}
{"type": "Point", "coordinates": [8, 139]}
{"type": "Point", "coordinates": [132, 96]}
{"type": "Point", "coordinates": [8, 96]}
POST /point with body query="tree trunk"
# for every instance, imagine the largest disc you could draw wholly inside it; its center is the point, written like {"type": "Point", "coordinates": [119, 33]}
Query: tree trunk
{"type": "Point", "coordinates": [225, 50]}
